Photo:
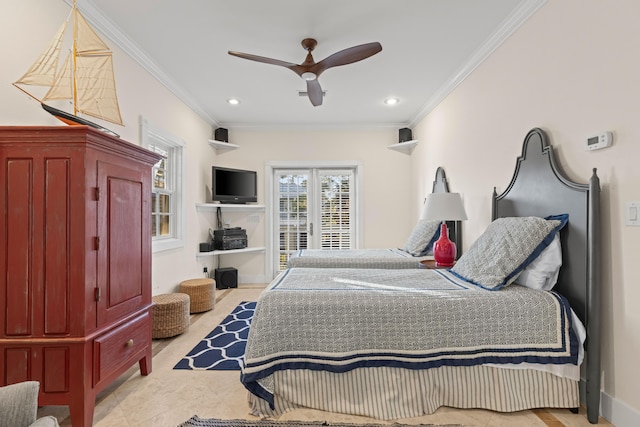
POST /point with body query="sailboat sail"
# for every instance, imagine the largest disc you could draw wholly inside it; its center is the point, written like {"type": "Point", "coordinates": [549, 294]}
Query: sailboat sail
{"type": "Point", "coordinates": [86, 76]}
{"type": "Point", "coordinates": [43, 70]}
{"type": "Point", "coordinates": [95, 81]}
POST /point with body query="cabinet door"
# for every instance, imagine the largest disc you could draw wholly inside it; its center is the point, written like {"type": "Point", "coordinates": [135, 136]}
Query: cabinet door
{"type": "Point", "coordinates": [41, 229]}
{"type": "Point", "coordinates": [124, 239]}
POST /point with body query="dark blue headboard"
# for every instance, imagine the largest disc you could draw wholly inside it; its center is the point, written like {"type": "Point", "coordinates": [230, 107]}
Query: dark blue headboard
{"type": "Point", "coordinates": [540, 188]}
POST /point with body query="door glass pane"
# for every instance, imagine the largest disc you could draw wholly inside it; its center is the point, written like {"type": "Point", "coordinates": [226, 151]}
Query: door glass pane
{"type": "Point", "coordinates": [335, 210]}
{"type": "Point", "coordinates": [293, 214]}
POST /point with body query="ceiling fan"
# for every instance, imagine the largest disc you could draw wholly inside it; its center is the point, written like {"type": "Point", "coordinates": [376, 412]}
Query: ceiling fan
{"type": "Point", "coordinates": [310, 70]}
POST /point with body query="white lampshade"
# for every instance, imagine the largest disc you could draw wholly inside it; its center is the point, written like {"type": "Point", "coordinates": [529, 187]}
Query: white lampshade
{"type": "Point", "coordinates": [443, 207]}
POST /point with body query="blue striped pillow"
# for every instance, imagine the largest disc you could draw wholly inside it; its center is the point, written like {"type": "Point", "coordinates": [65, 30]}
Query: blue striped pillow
{"type": "Point", "coordinates": [505, 249]}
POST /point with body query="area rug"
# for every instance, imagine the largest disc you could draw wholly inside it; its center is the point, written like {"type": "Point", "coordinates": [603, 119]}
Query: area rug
{"type": "Point", "coordinates": [195, 421]}
{"type": "Point", "coordinates": [223, 349]}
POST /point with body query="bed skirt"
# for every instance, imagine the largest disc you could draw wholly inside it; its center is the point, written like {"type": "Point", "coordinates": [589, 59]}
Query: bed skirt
{"type": "Point", "coordinates": [395, 393]}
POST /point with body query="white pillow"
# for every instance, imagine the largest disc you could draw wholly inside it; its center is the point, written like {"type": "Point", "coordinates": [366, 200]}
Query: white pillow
{"type": "Point", "coordinates": [543, 271]}
{"type": "Point", "coordinates": [422, 236]}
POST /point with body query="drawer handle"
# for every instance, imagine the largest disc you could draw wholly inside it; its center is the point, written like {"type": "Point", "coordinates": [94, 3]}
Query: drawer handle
{"type": "Point", "coordinates": [129, 343]}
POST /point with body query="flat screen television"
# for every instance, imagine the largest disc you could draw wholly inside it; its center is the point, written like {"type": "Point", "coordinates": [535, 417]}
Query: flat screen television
{"type": "Point", "coordinates": [233, 185]}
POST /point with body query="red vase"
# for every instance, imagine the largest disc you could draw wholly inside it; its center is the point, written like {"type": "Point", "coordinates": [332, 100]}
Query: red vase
{"type": "Point", "coordinates": [444, 250]}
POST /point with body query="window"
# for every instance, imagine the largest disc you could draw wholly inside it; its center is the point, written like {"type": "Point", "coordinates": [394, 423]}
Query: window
{"type": "Point", "coordinates": [167, 216]}
{"type": "Point", "coordinates": [292, 196]}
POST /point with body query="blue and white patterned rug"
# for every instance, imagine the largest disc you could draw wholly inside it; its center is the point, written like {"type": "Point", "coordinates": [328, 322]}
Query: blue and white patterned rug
{"type": "Point", "coordinates": [223, 349]}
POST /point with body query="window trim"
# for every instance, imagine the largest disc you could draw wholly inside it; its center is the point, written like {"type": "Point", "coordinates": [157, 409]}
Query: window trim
{"type": "Point", "coordinates": [155, 135]}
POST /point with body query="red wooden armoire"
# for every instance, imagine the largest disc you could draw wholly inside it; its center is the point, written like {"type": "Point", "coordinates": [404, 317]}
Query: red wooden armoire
{"type": "Point", "coordinates": [75, 270]}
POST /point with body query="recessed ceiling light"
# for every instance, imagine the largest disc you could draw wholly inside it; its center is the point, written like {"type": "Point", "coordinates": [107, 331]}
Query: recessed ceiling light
{"type": "Point", "coordinates": [391, 101]}
{"type": "Point", "coordinates": [233, 101]}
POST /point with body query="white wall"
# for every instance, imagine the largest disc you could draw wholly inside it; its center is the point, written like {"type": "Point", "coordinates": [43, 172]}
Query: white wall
{"type": "Point", "coordinates": [139, 96]}
{"type": "Point", "coordinates": [573, 69]}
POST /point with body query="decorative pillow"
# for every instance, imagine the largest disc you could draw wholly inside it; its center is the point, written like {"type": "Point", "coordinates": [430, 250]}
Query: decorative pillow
{"type": "Point", "coordinates": [543, 271]}
{"type": "Point", "coordinates": [422, 237]}
{"type": "Point", "coordinates": [505, 249]}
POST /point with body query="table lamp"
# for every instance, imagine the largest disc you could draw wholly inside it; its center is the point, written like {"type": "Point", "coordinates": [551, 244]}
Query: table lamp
{"type": "Point", "coordinates": [444, 207]}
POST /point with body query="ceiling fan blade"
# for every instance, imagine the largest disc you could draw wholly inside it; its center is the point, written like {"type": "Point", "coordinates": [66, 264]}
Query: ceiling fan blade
{"type": "Point", "coordinates": [309, 70]}
{"type": "Point", "coordinates": [347, 56]}
{"type": "Point", "coordinates": [295, 67]}
{"type": "Point", "coordinates": [315, 92]}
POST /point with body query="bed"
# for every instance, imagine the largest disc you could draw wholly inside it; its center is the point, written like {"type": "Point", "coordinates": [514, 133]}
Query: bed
{"type": "Point", "coordinates": [394, 344]}
{"type": "Point", "coordinates": [417, 248]}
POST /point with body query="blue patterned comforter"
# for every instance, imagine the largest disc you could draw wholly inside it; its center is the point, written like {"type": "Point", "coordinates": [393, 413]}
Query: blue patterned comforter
{"type": "Point", "coordinates": [391, 258]}
{"type": "Point", "coordinates": [341, 319]}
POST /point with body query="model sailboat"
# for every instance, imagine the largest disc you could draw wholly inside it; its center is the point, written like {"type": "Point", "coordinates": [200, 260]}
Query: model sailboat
{"type": "Point", "coordinates": [86, 76]}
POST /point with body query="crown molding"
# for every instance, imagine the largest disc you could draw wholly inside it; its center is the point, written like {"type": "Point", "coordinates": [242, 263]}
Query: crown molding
{"type": "Point", "coordinates": [361, 127]}
{"type": "Point", "coordinates": [514, 21]}
{"type": "Point", "coordinates": [118, 37]}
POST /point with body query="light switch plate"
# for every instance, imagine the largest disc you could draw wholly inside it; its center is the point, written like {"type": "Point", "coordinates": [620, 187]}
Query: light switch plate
{"type": "Point", "coordinates": [632, 213]}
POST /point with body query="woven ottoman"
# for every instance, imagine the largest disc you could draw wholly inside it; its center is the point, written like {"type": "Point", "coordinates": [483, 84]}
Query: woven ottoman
{"type": "Point", "coordinates": [170, 315]}
{"type": "Point", "coordinates": [201, 293]}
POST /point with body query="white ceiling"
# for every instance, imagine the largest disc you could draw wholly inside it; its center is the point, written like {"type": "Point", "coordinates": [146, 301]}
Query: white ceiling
{"type": "Point", "coordinates": [428, 47]}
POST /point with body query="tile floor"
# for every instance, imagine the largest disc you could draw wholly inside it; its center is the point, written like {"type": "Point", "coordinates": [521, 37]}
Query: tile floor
{"type": "Point", "coordinates": [168, 397]}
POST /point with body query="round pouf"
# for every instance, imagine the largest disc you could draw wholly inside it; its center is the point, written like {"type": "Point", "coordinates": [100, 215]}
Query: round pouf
{"type": "Point", "coordinates": [170, 315]}
{"type": "Point", "coordinates": [201, 292]}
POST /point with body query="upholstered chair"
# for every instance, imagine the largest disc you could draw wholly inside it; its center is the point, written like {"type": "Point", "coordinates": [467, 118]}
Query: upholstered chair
{"type": "Point", "coordinates": [19, 406]}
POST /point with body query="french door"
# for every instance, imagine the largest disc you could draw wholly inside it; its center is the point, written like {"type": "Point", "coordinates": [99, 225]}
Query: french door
{"type": "Point", "coordinates": [316, 209]}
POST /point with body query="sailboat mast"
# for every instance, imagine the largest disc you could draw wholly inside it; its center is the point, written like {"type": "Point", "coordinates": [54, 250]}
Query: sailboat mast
{"type": "Point", "coordinates": [75, 56]}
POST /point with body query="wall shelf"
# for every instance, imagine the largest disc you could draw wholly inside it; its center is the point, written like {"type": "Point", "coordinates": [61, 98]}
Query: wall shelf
{"type": "Point", "coordinates": [230, 251]}
{"type": "Point", "coordinates": [238, 207]}
{"type": "Point", "coordinates": [404, 147]}
{"type": "Point", "coordinates": [229, 207]}
{"type": "Point", "coordinates": [221, 146]}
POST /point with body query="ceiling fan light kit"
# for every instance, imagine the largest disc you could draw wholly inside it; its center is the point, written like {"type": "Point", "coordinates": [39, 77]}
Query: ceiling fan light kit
{"type": "Point", "coordinates": [308, 76]}
{"type": "Point", "coordinates": [310, 70]}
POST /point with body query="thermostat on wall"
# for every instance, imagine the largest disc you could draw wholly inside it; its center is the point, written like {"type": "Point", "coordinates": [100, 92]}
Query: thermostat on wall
{"type": "Point", "coordinates": [602, 140]}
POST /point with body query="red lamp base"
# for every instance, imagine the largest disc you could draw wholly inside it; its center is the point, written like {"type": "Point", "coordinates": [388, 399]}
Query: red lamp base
{"type": "Point", "coordinates": [444, 250]}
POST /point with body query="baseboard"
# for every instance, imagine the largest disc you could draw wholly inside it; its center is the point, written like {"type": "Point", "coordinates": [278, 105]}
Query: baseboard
{"type": "Point", "coordinates": [252, 280]}
{"type": "Point", "coordinates": [613, 410]}
{"type": "Point", "coordinates": [617, 412]}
